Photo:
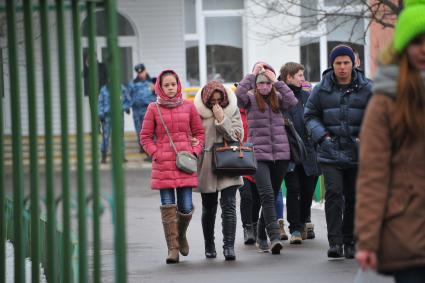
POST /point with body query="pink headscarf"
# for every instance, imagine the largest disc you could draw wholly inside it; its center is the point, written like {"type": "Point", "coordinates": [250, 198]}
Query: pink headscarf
{"type": "Point", "coordinates": [162, 98]}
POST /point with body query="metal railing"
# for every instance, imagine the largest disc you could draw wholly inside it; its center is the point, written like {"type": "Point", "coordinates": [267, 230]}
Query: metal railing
{"type": "Point", "coordinates": [42, 243]}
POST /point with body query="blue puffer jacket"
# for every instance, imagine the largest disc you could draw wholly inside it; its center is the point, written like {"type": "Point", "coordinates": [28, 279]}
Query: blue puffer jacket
{"type": "Point", "coordinates": [141, 93]}
{"type": "Point", "coordinates": [296, 114]}
{"type": "Point", "coordinates": [337, 111]}
{"type": "Point", "coordinates": [104, 104]}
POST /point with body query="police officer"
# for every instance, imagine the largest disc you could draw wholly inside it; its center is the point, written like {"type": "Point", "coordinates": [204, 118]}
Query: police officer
{"type": "Point", "coordinates": [104, 113]}
{"type": "Point", "coordinates": [141, 94]}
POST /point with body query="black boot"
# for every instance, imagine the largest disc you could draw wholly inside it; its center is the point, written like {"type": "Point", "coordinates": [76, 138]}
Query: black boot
{"type": "Point", "coordinates": [104, 158]}
{"type": "Point", "coordinates": [208, 223]}
{"type": "Point", "coordinates": [228, 218]}
{"type": "Point", "coordinates": [248, 234]}
{"type": "Point", "coordinates": [274, 234]}
{"type": "Point", "coordinates": [349, 250]}
{"type": "Point", "coordinates": [263, 245]}
{"type": "Point", "coordinates": [335, 251]}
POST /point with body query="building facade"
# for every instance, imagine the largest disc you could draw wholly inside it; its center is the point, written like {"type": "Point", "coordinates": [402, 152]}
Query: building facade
{"type": "Point", "coordinates": [201, 40]}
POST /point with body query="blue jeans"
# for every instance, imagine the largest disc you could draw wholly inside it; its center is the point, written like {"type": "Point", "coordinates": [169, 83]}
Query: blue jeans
{"type": "Point", "coordinates": [412, 275]}
{"type": "Point", "coordinates": [184, 198]}
{"type": "Point", "coordinates": [279, 205]}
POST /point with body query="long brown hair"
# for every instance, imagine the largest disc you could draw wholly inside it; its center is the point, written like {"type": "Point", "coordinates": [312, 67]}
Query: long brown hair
{"type": "Point", "coordinates": [272, 101]}
{"type": "Point", "coordinates": [409, 114]}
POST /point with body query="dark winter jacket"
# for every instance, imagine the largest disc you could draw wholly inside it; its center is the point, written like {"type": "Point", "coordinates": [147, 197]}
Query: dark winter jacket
{"type": "Point", "coordinates": [296, 114]}
{"type": "Point", "coordinates": [337, 111]}
{"type": "Point", "coordinates": [266, 129]}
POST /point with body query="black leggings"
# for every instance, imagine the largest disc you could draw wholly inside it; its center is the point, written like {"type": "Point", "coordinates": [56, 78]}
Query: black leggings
{"type": "Point", "coordinates": [250, 203]}
{"type": "Point", "coordinates": [269, 177]}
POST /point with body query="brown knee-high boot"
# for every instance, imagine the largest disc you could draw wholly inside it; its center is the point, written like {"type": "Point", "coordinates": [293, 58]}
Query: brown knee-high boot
{"type": "Point", "coordinates": [169, 221]}
{"type": "Point", "coordinates": [183, 222]}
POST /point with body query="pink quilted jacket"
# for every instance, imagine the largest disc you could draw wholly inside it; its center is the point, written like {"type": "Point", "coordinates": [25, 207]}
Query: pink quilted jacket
{"type": "Point", "coordinates": [183, 122]}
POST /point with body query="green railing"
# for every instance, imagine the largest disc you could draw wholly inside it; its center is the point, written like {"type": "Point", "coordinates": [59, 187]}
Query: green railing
{"type": "Point", "coordinates": [44, 242]}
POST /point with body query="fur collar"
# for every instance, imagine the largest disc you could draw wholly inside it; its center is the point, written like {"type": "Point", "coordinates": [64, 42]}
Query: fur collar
{"type": "Point", "coordinates": [207, 113]}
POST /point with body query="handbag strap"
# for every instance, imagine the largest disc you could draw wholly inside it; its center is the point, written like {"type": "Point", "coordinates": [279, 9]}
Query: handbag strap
{"type": "Point", "coordinates": [166, 129]}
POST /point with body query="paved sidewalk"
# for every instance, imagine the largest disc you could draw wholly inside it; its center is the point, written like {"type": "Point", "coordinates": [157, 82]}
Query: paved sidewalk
{"type": "Point", "coordinates": [147, 249]}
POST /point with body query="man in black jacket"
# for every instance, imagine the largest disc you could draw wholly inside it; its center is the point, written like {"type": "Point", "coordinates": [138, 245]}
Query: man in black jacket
{"type": "Point", "coordinates": [333, 116]}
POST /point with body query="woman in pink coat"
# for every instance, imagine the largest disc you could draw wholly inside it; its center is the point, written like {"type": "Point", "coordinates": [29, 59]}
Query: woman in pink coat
{"type": "Point", "coordinates": [185, 127]}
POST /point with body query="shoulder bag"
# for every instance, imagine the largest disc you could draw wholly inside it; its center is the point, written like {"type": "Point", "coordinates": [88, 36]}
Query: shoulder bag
{"type": "Point", "coordinates": [185, 161]}
{"type": "Point", "coordinates": [296, 144]}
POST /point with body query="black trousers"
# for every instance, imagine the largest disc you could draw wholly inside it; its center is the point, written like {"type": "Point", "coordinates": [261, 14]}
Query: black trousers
{"type": "Point", "coordinates": [269, 177]}
{"type": "Point", "coordinates": [340, 196]}
{"type": "Point", "coordinates": [300, 189]}
{"type": "Point", "coordinates": [250, 203]}
{"type": "Point", "coordinates": [228, 214]}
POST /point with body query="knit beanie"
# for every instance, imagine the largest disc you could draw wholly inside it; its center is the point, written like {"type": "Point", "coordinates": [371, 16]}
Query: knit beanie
{"type": "Point", "coordinates": [341, 50]}
{"type": "Point", "coordinates": [266, 76]}
{"type": "Point", "coordinates": [410, 23]}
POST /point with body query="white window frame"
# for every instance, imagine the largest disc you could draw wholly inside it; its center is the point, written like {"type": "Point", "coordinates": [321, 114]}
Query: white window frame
{"type": "Point", "coordinates": [321, 33]}
{"type": "Point", "coordinates": [199, 36]}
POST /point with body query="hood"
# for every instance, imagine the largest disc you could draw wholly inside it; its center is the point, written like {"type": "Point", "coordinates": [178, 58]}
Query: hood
{"type": "Point", "coordinates": [159, 92]}
{"type": "Point", "coordinates": [386, 79]}
{"type": "Point", "coordinates": [205, 112]}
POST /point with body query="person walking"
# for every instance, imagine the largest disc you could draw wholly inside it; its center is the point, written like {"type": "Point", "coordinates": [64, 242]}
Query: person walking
{"type": "Point", "coordinates": [221, 120]}
{"type": "Point", "coordinates": [186, 131]}
{"type": "Point", "coordinates": [333, 116]}
{"type": "Point", "coordinates": [104, 114]}
{"type": "Point", "coordinates": [390, 206]}
{"type": "Point", "coordinates": [301, 178]}
{"type": "Point", "coordinates": [141, 94]}
{"type": "Point", "coordinates": [250, 200]}
{"type": "Point", "coordinates": [265, 98]}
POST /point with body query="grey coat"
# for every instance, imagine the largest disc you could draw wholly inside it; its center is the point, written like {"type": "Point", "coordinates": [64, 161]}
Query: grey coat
{"type": "Point", "coordinates": [215, 132]}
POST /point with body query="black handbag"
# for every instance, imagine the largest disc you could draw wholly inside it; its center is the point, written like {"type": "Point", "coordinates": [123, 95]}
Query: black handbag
{"type": "Point", "coordinates": [234, 159]}
{"type": "Point", "coordinates": [296, 144]}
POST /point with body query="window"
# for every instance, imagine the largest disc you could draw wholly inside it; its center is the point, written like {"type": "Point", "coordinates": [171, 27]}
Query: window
{"type": "Point", "coordinates": [338, 29]}
{"type": "Point", "coordinates": [224, 48]}
{"type": "Point", "coordinates": [213, 40]}
{"type": "Point", "coordinates": [222, 4]}
{"type": "Point", "coordinates": [190, 16]}
{"type": "Point", "coordinates": [192, 63]}
{"type": "Point", "coordinates": [338, 3]}
{"type": "Point", "coordinates": [124, 26]}
{"type": "Point", "coordinates": [310, 58]}
{"type": "Point", "coordinates": [308, 14]}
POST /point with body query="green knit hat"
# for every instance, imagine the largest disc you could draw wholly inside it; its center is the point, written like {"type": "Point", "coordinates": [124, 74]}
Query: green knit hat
{"type": "Point", "coordinates": [410, 23]}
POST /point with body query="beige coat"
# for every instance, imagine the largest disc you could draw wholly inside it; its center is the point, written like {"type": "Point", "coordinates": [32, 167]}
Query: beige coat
{"type": "Point", "coordinates": [390, 205]}
{"type": "Point", "coordinates": [229, 128]}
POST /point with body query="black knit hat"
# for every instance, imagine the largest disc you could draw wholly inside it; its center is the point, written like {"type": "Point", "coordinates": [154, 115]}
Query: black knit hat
{"type": "Point", "coordinates": [341, 50]}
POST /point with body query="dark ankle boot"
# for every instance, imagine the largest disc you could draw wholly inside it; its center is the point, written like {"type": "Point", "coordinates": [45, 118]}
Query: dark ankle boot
{"type": "Point", "coordinates": [208, 223]}
{"type": "Point", "coordinates": [248, 235]}
{"type": "Point", "coordinates": [274, 234]}
{"type": "Point", "coordinates": [228, 218]}
{"type": "Point", "coordinates": [104, 158]}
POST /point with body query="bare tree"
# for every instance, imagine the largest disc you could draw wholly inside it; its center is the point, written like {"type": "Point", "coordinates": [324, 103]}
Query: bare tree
{"type": "Point", "coordinates": [312, 15]}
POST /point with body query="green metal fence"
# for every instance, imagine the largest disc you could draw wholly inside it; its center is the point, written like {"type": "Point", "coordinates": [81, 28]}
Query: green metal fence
{"type": "Point", "coordinates": [33, 234]}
